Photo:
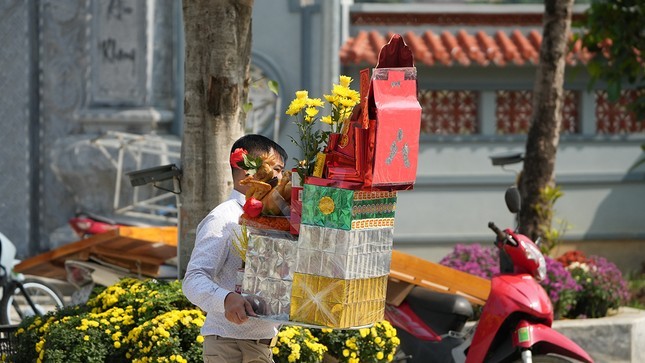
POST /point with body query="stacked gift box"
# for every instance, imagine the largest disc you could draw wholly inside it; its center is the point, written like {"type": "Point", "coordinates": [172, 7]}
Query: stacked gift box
{"type": "Point", "coordinates": [271, 258]}
{"type": "Point", "coordinates": [334, 274]}
{"type": "Point", "coordinates": [344, 251]}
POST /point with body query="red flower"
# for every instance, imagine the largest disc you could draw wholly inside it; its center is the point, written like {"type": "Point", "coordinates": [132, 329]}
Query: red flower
{"type": "Point", "coordinates": [572, 256]}
{"type": "Point", "coordinates": [252, 207]}
{"type": "Point", "coordinates": [237, 157]}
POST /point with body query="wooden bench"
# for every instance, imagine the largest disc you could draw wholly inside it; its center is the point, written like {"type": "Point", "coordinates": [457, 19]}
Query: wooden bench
{"type": "Point", "coordinates": [407, 271]}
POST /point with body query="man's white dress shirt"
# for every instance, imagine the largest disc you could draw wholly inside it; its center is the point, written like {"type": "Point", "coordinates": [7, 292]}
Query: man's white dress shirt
{"type": "Point", "coordinates": [212, 271]}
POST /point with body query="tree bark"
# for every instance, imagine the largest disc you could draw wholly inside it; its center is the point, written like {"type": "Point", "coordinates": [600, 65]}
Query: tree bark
{"type": "Point", "coordinates": [544, 133]}
{"type": "Point", "coordinates": [217, 58]}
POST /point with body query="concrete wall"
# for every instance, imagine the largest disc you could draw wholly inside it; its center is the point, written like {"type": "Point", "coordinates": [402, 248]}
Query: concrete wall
{"type": "Point", "coordinates": [75, 70]}
{"type": "Point", "coordinates": [18, 139]}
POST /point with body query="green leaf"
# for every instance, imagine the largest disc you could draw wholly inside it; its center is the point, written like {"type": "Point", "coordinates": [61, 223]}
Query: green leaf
{"type": "Point", "coordinates": [273, 86]}
{"type": "Point", "coordinates": [613, 91]}
{"type": "Point", "coordinates": [247, 106]}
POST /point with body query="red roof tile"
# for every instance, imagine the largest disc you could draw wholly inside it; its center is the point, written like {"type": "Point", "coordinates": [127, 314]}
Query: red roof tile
{"type": "Point", "coordinates": [460, 48]}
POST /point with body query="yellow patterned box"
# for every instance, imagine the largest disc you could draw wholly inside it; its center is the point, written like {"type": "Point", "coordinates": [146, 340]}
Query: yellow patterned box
{"type": "Point", "coordinates": [337, 303]}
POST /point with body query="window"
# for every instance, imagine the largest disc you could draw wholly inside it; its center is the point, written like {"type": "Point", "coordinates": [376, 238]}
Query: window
{"type": "Point", "coordinates": [449, 112]}
{"type": "Point", "coordinates": [615, 118]}
{"type": "Point", "coordinates": [513, 110]}
{"type": "Point", "coordinates": [458, 112]}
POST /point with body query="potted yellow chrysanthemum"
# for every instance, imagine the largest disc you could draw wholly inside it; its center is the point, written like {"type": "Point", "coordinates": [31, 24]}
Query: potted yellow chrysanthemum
{"type": "Point", "coordinates": [297, 344]}
{"type": "Point", "coordinates": [131, 321]}
{"type": "Point", "coordinates": [376, 344]}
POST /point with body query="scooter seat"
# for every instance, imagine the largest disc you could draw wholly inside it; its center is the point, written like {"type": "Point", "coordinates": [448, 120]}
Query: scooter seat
{"type": "Point", "coordinates": [442, 312]}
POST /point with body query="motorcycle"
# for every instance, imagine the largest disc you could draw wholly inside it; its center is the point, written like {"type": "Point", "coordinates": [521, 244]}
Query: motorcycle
{"type": "Point", "coordinates": [87, 224]}
{"type": "Point", "coordinates": [515, 322]}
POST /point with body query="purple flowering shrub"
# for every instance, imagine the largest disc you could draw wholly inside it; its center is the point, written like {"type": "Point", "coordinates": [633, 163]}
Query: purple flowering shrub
{"type": "Point", "coordinates": [473, 259]}
{"type": "Point", "coordinates": [584, 288]}
{"type": "Point", "coordinates": [603, 287]}
{"type": "Point", "coordinates": [560, 286]}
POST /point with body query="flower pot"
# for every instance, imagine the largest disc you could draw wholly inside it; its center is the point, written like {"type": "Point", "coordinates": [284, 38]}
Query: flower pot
{"type": "Point", "coordinates": [296, 208]}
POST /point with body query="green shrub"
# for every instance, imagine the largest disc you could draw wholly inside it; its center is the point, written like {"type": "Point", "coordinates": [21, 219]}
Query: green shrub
{"type": "Point", "coordinates": [152, 321]}
{"type": "Point", "coordinates": [131, 321]}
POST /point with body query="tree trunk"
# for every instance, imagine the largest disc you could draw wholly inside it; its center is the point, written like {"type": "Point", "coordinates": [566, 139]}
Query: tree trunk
{"type": "Point", "coordinates": [544, 133]}
{"type": "Point", "coordinates": [217, 57]}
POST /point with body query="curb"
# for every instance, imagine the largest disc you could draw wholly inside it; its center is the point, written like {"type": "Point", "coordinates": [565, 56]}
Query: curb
{"type": "Point", "coordinates": [619, 338]}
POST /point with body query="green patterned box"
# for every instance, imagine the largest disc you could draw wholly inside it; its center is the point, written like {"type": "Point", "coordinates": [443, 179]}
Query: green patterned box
{"type": "Point", "coordinates": [347, 209]}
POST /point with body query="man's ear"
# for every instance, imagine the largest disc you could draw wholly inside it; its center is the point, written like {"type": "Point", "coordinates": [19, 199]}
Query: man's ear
{"type": "Point", "coordinates": [238, 174]}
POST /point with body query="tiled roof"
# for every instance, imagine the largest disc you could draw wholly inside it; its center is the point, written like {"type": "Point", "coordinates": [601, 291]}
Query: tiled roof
{"type": "Point", "coordinates": [461, 48]}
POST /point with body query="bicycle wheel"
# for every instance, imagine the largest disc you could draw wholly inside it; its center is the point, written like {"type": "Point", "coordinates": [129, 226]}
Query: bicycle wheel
{"type": "Point", "coordinates": [14, 307]}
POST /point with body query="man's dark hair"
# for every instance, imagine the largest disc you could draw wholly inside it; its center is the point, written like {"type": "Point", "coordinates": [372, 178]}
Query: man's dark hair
{"type": "Point", "coordinates": [258, 144]}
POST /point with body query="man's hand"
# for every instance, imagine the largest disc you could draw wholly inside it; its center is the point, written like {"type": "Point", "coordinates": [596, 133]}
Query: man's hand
{"type": "Point", "coordinates": [237, 309]}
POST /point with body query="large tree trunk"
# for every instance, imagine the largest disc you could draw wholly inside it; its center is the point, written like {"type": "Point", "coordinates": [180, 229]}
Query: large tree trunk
{"type": "Point", "coordinates": [544, 134]}
{"type": "Point", "coordinates": [218, 51]}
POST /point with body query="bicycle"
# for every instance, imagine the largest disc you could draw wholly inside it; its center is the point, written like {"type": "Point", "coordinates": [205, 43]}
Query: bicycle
{"type": "Point", "coordinates": [22, 297]}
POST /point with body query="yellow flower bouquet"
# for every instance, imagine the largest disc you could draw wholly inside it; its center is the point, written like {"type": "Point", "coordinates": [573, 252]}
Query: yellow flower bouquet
{"type": "Point", "coordinates": [311, 139]}
{"type": "Point", "coordinates": [342, 100]}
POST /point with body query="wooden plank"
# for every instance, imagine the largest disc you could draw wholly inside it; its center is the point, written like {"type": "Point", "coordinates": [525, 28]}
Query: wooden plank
{"type": "Point", "coordinates": [165, 235]}
{"type": "Point", "coordinates": [65, 251]}
{"type": "Point", "coordinates": [138, 266]}
{"type": "Point", "coordinates": [135, 247]}
{"type": "Point", "coordinates": [417, 271]}
{"type": "Point", "coordinates": [397, 291]}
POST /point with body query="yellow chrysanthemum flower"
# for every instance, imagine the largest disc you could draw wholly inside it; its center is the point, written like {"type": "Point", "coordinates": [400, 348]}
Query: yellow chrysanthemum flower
{"type": "Point", "coordinates": [311, 112]}
{"type": "Point", "coordinates": [302, 95]}
{"type": "Point", "coordinates": [345, 81]}
{"type": "Point", "coordinates": [315, 102]}
{"type": "Point", "coordinates": [364, 332]}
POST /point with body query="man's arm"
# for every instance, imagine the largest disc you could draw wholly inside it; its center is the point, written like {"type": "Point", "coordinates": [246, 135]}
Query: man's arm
{"type": "Point", "coordinates": [206, 261]}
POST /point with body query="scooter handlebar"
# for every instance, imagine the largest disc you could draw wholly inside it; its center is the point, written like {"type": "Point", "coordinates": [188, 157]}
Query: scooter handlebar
{"type": "Point", "coordinates": [501, 236]}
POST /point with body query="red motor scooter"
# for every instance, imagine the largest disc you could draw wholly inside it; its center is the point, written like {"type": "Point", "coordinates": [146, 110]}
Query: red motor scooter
{"type": "Point", "coordinates": [515, 322]}
{"type": "Point", "coordinates": [87, 224]}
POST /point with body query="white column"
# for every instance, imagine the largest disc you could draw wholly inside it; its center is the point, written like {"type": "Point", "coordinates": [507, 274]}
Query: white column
{"type": "Point", "coordinates": [487, 119]}
{"type": "Point", "coordinates": [587, 109]}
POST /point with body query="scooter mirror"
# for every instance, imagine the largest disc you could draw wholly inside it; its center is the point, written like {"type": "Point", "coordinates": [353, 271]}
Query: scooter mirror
{"type": "Point", "coordinates": [513, 199]}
